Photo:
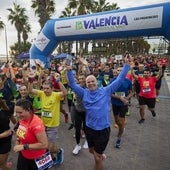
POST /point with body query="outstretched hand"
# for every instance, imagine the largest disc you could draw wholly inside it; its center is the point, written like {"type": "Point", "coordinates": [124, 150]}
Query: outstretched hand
{"type": "Point", "coordinates": [127, 60]}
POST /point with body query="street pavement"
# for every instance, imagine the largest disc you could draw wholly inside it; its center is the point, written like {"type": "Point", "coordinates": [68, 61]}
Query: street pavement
{"type": "Point", "coordinates": [144, 146]}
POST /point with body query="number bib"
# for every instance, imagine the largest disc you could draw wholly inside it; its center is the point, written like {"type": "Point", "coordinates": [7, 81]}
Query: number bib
{"type": "Point", "coordinates": [44, 162]}
{"type": "Point", "coordinates": [120, 94]}
{"type": "Point", "coordinates": [146, 90]}
{"type": "Point", "coordinates": [46, 114]}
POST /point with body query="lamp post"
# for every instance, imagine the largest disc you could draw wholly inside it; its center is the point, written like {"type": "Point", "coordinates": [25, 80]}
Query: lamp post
{"type": "Point", "coordinates": [6, 42]}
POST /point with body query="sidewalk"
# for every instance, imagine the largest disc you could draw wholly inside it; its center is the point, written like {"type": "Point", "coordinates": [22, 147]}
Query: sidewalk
{"type": "Point", "coordinates": [144, 147]}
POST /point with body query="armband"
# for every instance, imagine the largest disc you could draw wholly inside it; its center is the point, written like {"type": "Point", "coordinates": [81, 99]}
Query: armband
{"type": "Point", "coordinates": [26, 146]}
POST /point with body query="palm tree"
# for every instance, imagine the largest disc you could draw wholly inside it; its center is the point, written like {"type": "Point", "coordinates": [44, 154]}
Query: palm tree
{"type": "Point", "coordinates": [43, 9]}
{"type": "Point", "coordinates": [18, 17]}
{"type": "Point", "coordinates": [1, 25]}
{"type": "Point", "coordinates": [102, 5]}
{"type": "Point", "coordinates": [26, 30]}
{"type": "Point", "coordinates": [81, 6]}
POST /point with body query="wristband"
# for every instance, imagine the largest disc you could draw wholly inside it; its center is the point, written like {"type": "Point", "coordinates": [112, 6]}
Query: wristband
{"type": "Point", "coordinates": [26, 147]}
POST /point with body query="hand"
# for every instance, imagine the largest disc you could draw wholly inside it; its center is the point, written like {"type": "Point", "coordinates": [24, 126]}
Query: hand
{"type": "Point", "coordinates": [57, 76]}
{"type": "Point", "coordinates": [18, 148]}
{"type": "Point", "coordinates": [126, 60]}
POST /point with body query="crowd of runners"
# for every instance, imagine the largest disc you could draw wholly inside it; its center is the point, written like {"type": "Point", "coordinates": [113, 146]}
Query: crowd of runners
{"type": "Point", "coordinates": [84, 93]}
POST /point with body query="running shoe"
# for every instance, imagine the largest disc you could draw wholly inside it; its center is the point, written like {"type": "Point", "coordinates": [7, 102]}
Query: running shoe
{"type": "Point", "coordinates": [76, 149]}
{"type": "Point", "coordinates": [71, 126]}
{"type": "Point", "coordinates": [60, 157]}
{"type": "Point", "coordinates": [128, 113]}
{"type": "Point", "coordinates": [153, 113]}
{"type": "Point", "coordinates": [141, 121]}
{"type": "Point", "coordinates": [157, 99]}
{"type": "Point", "coordinates": [85, 146]}
{"type": "Point", "coordinates": [118, 143]}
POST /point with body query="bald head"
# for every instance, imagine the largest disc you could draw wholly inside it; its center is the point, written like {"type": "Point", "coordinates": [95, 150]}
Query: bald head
{"type": "Point", "coordinates": [91, 82]}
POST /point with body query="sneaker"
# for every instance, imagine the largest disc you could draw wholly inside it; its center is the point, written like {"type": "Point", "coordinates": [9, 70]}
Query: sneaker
{"type": "Point", "coordinates": [116, 125]}
{"type": "Point", "coordinates": [60, 156]}
{"type": "Point", "coordinates": [71, 126]}
{"type": "Point", "coordinates": [76, 149]}
{"type": "Point", "coordinates": [153, 113]}
{"type": "Point", "coordinates": [66, 118]}
{"type": "Point", "coordinates": [157, 99]}
{"type": "Point", "coordinates": [141, 121]}
{"type": "Point", "coordinates": [117, 145]}
{"type": "Point", "coordinates": [128, 113]}
{"type": "Point", "coordinates": [85, 146]}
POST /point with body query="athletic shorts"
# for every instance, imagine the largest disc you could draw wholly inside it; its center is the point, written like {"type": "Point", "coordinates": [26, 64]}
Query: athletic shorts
{"type": "Point", "coordinates": [52, 133]}
{"type": "Point", "coordinates": [150, 102]}
{"type": "Point", "coordinates": [97, 139]}
{"type": "Point", "coordinates": [5, 147]}
{"type": "Point", "coordinates": [158, 84]}
{"type": "Point", "coordinates": [120, 110]}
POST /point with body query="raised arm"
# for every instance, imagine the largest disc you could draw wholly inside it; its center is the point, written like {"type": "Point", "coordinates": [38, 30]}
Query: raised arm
{"type": "Point", "coordinates": [79, 90]}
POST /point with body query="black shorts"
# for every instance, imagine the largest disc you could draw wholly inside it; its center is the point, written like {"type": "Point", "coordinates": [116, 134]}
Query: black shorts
{"type": "Point", "coordinates": [5, 147]}
{"type": "Point", "coordinates": [26, 164]}
{"type": "Point", "coordinates": [150, 102]}
{"type": "Point", "coordinates": [158, 84]}
{"type": "Point", "coordinates": [98, 139]}
{"type": "Point", "coordinates": [120, 110]}
{"type": "Point", "coordinates": [137, 87]}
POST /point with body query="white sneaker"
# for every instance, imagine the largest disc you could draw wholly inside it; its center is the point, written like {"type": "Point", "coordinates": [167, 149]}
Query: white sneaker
{"type": "Point", "coordinates": [76, 149]}
{"type": "Point", "coordinates": [85, 146]}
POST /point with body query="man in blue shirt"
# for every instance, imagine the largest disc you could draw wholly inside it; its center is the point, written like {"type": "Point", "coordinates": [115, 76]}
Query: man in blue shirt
{"type": "Point", "coordinates": [96, 102]}
{"type": "Point", "coordinates": [120, 101]}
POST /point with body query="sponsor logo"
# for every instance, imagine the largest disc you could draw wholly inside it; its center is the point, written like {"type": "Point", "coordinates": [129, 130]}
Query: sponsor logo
{"type": "Point", "coordinates": [109, 22]}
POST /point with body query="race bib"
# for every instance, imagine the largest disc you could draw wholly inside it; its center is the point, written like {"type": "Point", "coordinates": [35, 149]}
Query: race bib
{"type": "Point", "coordinates": [120, 94]}
{"type": "Point", "coordinates": [44, 162]}
{"type": "Point", "coordinates": [46, 114]}
{"type": "Point", "coordinates": [146, 90]}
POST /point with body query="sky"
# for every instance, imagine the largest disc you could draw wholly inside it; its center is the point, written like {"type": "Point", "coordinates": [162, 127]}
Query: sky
{"type": "Point", "coordinates": [33, 20]}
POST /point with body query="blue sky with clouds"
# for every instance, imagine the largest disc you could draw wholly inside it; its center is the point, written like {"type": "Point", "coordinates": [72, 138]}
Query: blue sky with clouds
{"type": "Point", "coordinates": [60, 5]}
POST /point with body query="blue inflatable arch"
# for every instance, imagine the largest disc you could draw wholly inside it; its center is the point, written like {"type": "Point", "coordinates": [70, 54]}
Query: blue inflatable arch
{"type": "Point", "coordinates": [152, 20]}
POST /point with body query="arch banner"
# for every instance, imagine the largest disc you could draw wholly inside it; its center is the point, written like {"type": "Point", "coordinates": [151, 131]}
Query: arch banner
{"type": "Point", "coordinates": [152, 20]}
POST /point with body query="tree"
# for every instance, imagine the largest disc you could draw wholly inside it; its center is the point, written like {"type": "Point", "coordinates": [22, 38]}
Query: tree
{"type": "Point", "coordinates": [43, 9]}
{"type": "Point", "coordinates": [102, 5]}
{"type": "Point", "coordinates": [18, 17]}
{"type": "Point", "coordinates": [81, 6]}
{"type": "Point", "coordinates": [1, 25]}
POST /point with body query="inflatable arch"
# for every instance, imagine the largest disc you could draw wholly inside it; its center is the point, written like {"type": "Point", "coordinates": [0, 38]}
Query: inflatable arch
{"type": "Point", "coordinates": [152, 20]}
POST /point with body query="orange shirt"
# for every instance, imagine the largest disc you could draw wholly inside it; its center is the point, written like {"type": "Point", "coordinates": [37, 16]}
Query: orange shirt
{"type": "Point", "coordinates": [26, 134]}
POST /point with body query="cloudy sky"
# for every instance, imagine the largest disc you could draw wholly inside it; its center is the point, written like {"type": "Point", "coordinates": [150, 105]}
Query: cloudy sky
{"type": "Point", "coordinates": [60, 5]}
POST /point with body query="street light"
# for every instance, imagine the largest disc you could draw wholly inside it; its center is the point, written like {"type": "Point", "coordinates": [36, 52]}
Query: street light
{"type": "Point", "coordinates": [6, 42]}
